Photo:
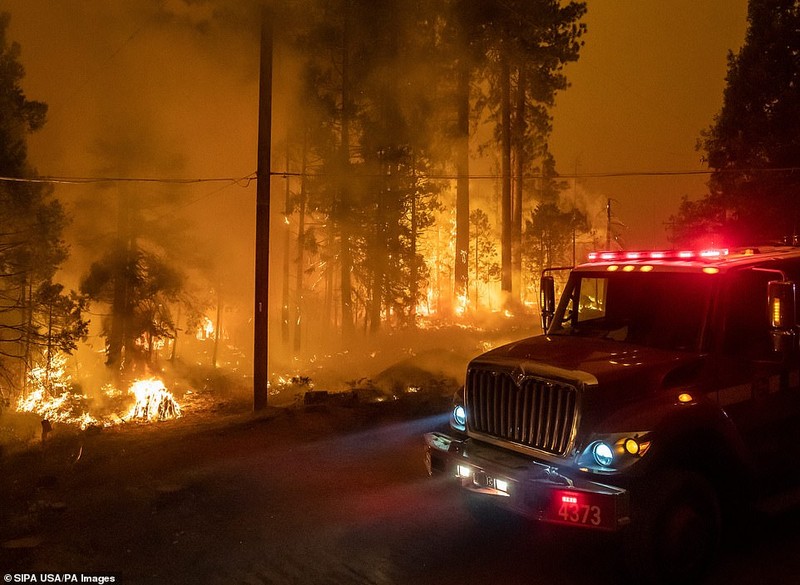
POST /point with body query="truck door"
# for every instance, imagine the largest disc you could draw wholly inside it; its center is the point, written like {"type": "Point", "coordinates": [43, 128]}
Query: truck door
{"type": "Point", "coordinates": [752, 378]}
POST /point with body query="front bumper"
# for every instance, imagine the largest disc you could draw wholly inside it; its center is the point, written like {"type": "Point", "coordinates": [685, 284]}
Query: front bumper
{"type": "Point", "coordinates": [525, 486]}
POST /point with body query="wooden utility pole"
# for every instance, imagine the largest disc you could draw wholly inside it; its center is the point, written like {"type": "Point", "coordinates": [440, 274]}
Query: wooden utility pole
{"type": "Point", "coordinates": [263, 175]}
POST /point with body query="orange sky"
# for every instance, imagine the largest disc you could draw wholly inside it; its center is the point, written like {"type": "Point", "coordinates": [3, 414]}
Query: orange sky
{"type": "Point", "coordinates": [650, 78]}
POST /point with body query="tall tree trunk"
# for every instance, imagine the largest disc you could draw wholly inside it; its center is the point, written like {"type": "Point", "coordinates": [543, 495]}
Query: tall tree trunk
{"type": "Point", "coordinates": [49, 344]}
{"type": "Point", "coordinates": [217, 326]}
{"type": "Point", "coordinates": [119, 305]}
{"type": "Point", "coordinates": [519, 169]}
{"type": "Point", "coordinates": [28, 320]}
{"type": "Point", "coordinates": [285, 330]}
{"type": "Point", "coordinates": [379, 260]}
{"type": "Point", "coordinates": [173, 356]}
{"type": "Point", "coordinates": [413, 256]}
{"type": "Point", "coordinates": [476, 268]}
{"type": "Point", "coordinates": [344, 211]}
{"type": "Point", "coordinates": [461, 270]}
{"type": "Point", "coordinates": [505, 172]}
{"type": "Point", "coordinates": [329, 318]}
{"type": "Point", "coordinates": [301, 246]}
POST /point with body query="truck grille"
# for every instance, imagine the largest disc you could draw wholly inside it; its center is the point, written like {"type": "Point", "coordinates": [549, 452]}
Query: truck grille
{"type": "Point", "coordinates": [536, 413]}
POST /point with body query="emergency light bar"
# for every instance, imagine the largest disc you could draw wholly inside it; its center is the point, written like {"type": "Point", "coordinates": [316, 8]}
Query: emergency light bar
{"type": "Point", "coordinates": [622, 255]}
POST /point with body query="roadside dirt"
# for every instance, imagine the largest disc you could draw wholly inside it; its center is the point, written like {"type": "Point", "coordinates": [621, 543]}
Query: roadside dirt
{"type": "Point", "coordinates": [205, 498]}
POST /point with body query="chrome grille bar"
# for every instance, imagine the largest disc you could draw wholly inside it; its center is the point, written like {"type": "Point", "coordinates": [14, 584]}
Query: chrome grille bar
{"type": "Point", "coordinates": [535, 413]}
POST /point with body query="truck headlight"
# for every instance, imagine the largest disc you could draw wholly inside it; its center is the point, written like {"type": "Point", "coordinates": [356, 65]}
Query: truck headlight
{"type": "Point", "coordinates": [603, 454]}
{"type": "Point", "coordinates": [458, 416]}
{"type": "Point", "coordinates": [613, 452]}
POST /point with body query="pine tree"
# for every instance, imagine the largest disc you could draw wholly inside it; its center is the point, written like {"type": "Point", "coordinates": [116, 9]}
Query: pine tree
{"type": "Point", "coordinates": [31, 244]}
{"type": "Point", "coordinates": [528, 45]}
{"type": "Point", "coordinates": [753, 145]}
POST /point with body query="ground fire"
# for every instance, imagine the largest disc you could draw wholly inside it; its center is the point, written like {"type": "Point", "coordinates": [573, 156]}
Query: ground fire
{"type": "Point", "coordinates": [52, 397]}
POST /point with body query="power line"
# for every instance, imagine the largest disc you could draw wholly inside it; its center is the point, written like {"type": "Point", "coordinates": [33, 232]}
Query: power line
{"type": "Point", "coordinates": [246, 180]}
{"type": "Point", "coordinates": [94, 180]}
{"type": "Point", "coordinates": [575, 175]}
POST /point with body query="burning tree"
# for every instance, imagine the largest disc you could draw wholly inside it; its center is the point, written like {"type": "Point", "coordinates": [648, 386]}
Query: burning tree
{"type": "Point", "coordinates": [389, 96]}
{"type": "Point", "coordinates": [36, 316]}
{"type": "Point", "coordinates": [140, 264]}
{"type": "Point", "coordinates": [52, 397]}
{"type": "Point", "coordinates": [527, 44]}
{"type": "Point", "coordinates": [140, 287]}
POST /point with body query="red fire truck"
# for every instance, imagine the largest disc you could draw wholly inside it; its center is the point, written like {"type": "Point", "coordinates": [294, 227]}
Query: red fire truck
{"type": "Point", "coordinates": [662, 401]}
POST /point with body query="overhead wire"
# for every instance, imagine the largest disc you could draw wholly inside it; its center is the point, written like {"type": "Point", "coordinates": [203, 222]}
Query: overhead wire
{"type": "Point", "coordinates": [54, 180]}
{"type": "Point", "coordinates": [247, 179]}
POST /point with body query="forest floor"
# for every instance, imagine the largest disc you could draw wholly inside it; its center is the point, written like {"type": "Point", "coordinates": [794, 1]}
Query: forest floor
{"type": "Point", "coordinates": [76, 499]}
{"type": "Point", "coordinates": [330, 492]}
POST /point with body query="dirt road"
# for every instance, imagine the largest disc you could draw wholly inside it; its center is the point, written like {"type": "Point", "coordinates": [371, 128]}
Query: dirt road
{"type": "Point", "coordinates": [328, 495]}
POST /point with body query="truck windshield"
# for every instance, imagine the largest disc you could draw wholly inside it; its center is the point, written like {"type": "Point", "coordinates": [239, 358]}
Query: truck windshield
{"type": "Point", "coordinates": [665, 310]}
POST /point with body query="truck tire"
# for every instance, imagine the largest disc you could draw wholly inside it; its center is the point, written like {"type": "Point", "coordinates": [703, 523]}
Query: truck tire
{"type": "Point", "coordinates": [675, 528]}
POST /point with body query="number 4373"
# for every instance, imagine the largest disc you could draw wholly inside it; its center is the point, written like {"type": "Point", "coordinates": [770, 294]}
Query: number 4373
{"type": "Point", "coordinates": [580, 514]}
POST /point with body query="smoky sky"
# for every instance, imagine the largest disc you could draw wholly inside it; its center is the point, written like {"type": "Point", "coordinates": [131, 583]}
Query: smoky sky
{"type": "Point", "coordinates": [170, 89]}
{"type": "Point", "coordinates": [650, 78]}
{"type": "Point", "coordinates": [146, 89]}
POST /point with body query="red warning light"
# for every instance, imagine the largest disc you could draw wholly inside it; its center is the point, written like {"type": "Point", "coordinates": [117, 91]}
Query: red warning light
{"type": "Point", "coordinates": [707, 254]}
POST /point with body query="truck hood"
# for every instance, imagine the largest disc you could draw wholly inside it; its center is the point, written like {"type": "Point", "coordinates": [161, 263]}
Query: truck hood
{"type": "Point", "coordinates": [619, 368]}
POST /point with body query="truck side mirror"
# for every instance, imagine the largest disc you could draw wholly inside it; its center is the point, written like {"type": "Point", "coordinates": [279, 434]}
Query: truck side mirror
{"type": "Point", "coordinates": [547, 290]}
{"type": "Point", "coordinates": [782, 315]}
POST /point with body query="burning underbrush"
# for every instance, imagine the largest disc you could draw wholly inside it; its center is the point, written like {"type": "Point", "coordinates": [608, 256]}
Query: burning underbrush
{"type": "Point", "coordinates": [146, 400]}
{"type": "Point", "coordinates": [53, 398]}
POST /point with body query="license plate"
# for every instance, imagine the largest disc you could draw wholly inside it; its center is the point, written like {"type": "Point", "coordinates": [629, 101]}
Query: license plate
{"type": "Point", "coordinates": [578, 508]}
{"type": "Point", "coordinates": [495, 484]}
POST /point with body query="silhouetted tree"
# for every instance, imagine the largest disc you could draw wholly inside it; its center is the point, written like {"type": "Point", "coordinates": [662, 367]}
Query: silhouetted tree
{"type": "Point", "coordinates": [753, 146]}
{"type": "Point", "coordinates": [144, 316]}
{"type": "Point", "coordinates": [31, 244]}
{"type": "Point", "coordinates": [483, 253]}
{"type": "Point", "coordinates": [549, 236]}
{"type": "Point", "coordinates": [530, 43]}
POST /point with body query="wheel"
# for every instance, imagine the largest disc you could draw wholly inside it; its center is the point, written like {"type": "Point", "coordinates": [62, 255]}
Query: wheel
{"type": "Point", "coordinates": [675, 528]}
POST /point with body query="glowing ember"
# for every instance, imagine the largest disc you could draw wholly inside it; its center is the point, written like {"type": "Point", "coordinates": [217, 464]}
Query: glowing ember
{"type": "Point", "coordinates": [111, 391]}
{"type": "Point", "coordinates": [153, 401]}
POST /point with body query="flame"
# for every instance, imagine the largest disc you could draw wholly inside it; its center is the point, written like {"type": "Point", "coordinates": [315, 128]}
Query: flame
{"type": "Point", "coordinates": [461, 304]}
{"type": "Point", "coordinates": [51, 397]}
{"type": "Point", "coordinates": [153, 401]}
{"type": "Point", "coordinates": [425, 307]}
{"type": "Point", "coordinates": [61, 408]}
{"type": "Point", "coordinates": [205, 330]}
{"type": "Point", "coordinates": [156, 343]}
